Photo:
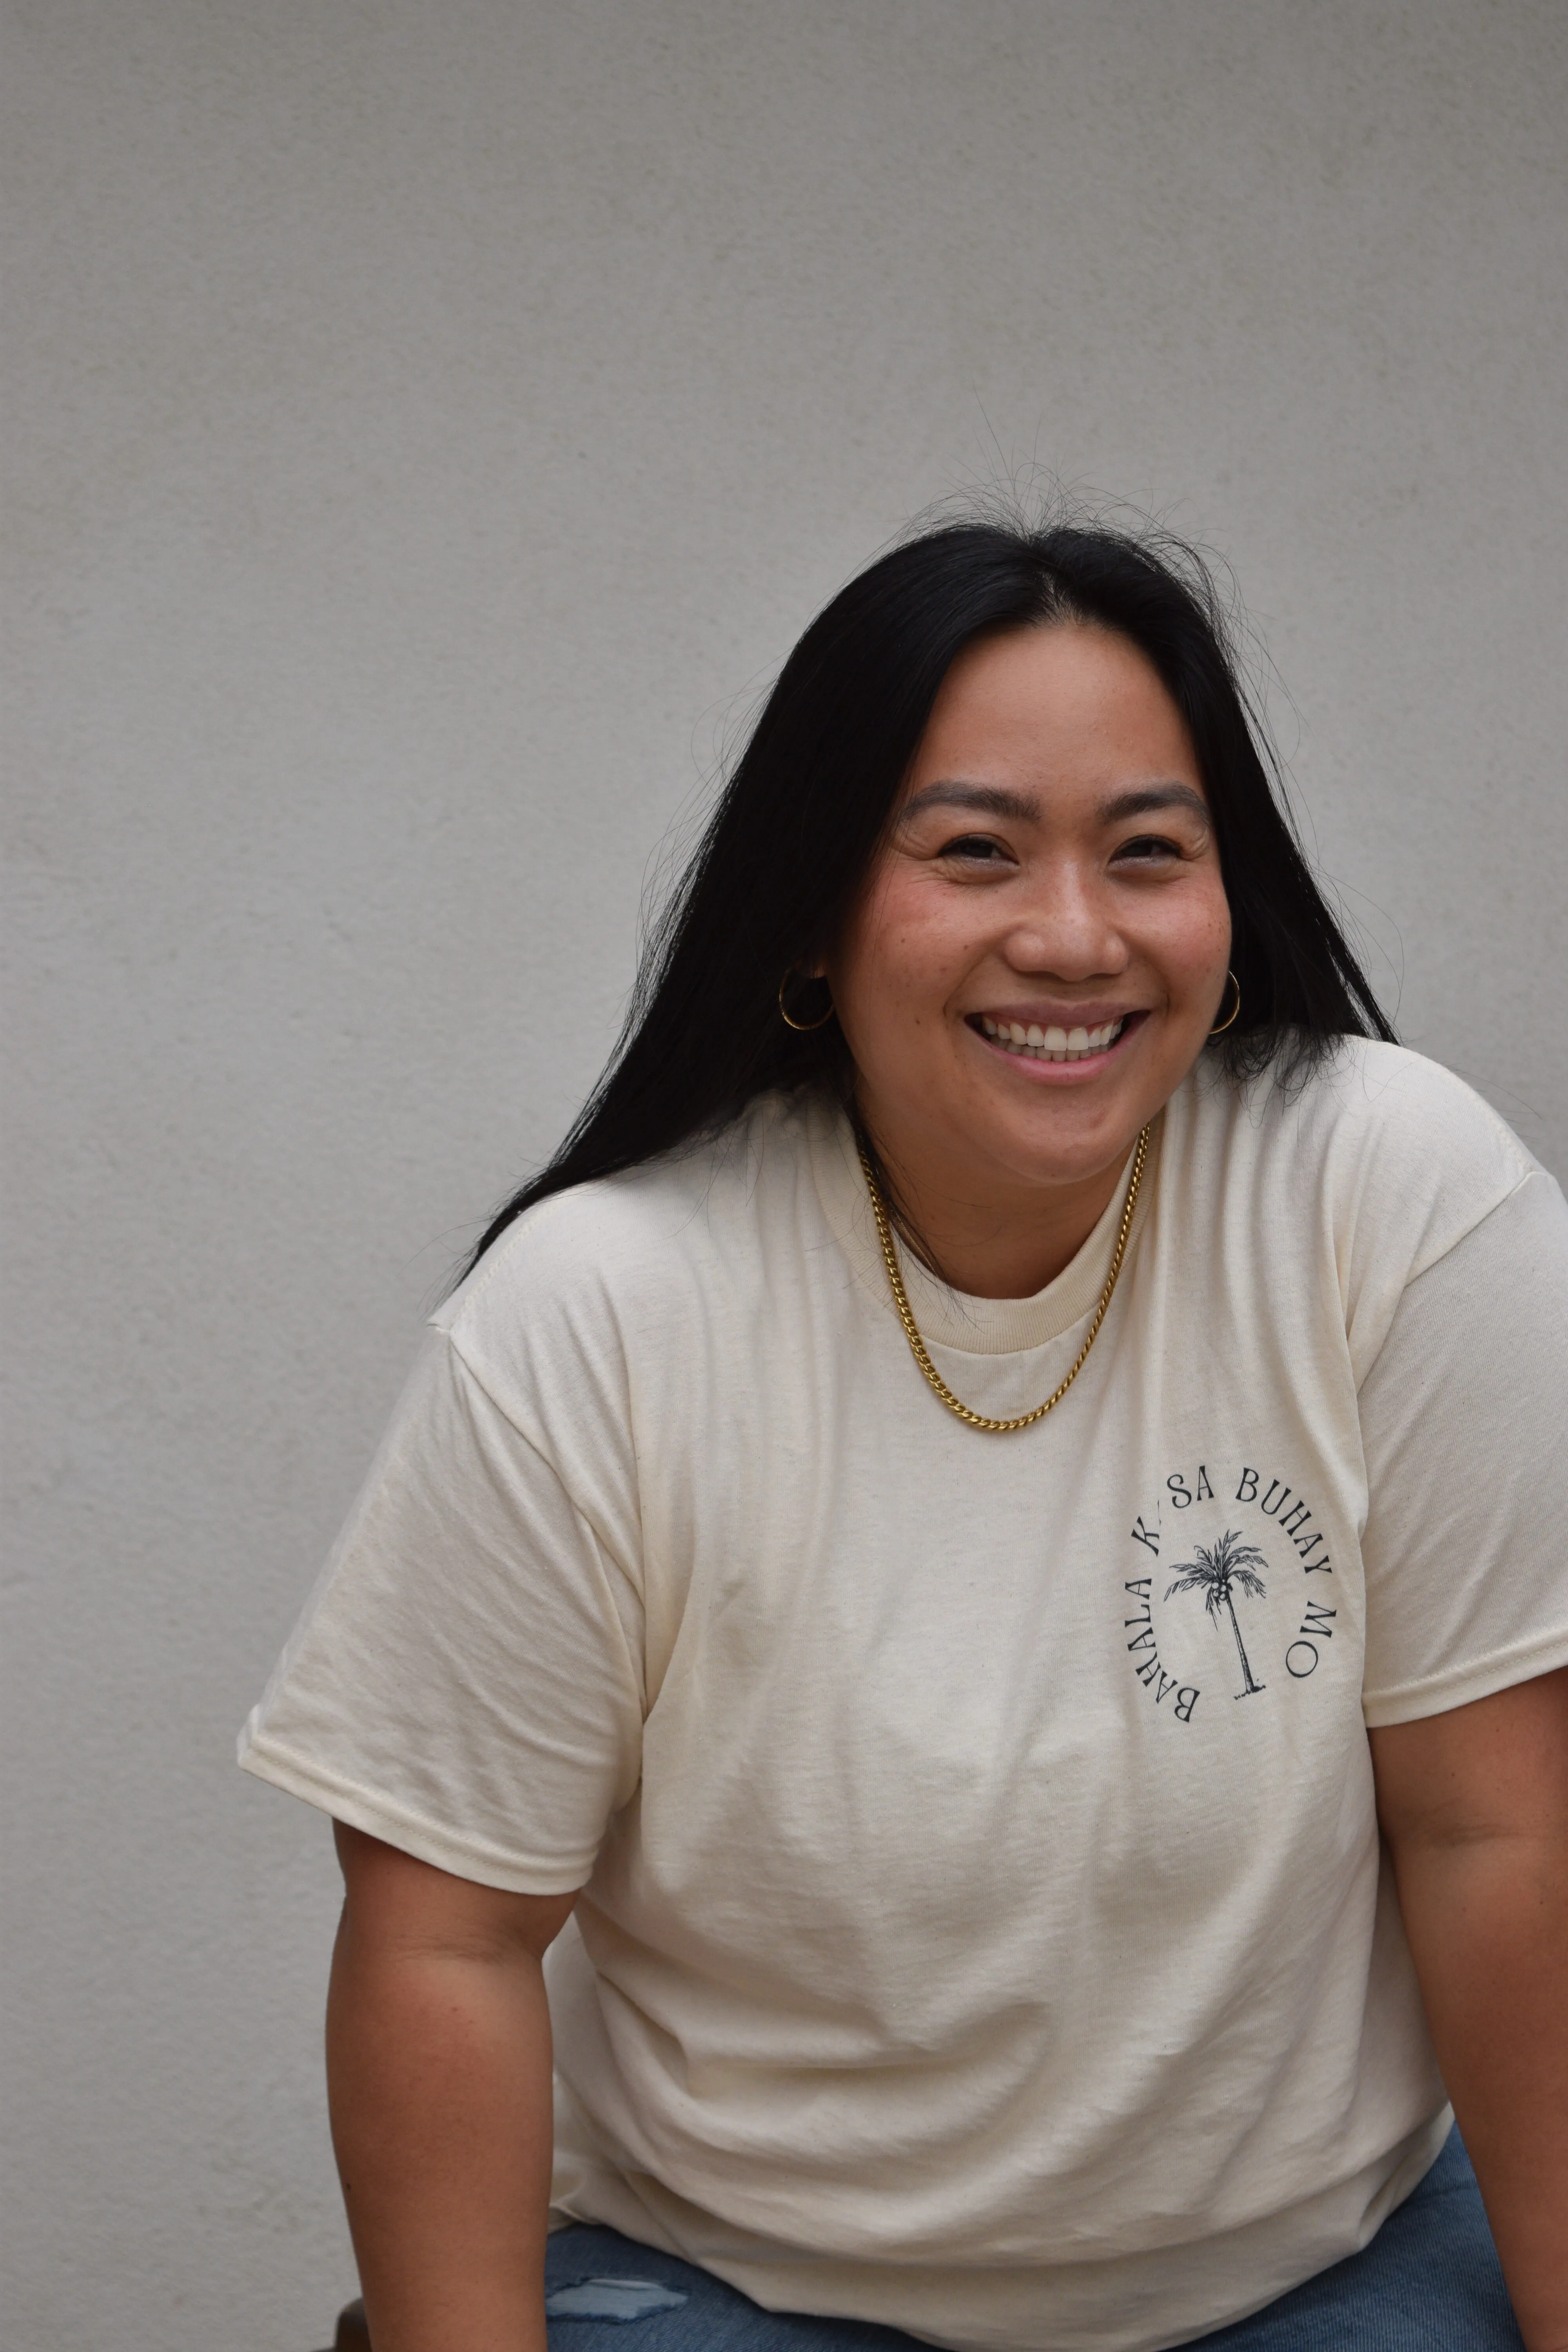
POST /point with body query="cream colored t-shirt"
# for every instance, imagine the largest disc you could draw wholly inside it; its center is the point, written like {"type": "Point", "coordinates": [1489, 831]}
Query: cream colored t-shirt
{"type": "Point", "coordinates": [981, 1929]}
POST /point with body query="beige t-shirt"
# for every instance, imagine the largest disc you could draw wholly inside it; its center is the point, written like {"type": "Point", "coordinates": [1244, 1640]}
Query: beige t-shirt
{"type": "Point", "coordinates": [982, 1929]}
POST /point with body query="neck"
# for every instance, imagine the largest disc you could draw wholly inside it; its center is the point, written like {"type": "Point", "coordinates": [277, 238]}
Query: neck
{"type": "Point", "coordinates": [1008, 1245]}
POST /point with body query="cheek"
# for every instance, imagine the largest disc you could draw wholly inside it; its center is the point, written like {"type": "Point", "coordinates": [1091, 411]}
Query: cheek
{"type": "Point", "coordinates": [1196, 945]}
{"type": "Point", "coordinates": [899, 949]}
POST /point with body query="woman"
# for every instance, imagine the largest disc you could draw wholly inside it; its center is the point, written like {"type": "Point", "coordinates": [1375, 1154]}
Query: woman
{"type": "Point", "coordinates": [1017, 1432]}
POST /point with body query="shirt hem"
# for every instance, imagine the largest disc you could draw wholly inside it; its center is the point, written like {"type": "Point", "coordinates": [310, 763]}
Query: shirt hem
{"type": "Point", "coordinates": [1128, 2302]}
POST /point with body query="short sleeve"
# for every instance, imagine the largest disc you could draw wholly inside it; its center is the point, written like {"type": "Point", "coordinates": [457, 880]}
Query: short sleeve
{"type": "Point", "coordinates": [1465, 1431]}
{"type": "Point", "coordinates": [466, 1681]}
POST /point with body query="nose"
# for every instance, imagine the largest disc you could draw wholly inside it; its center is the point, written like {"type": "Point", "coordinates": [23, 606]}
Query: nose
{"type": "Point", "coordinates": [1066, 930]}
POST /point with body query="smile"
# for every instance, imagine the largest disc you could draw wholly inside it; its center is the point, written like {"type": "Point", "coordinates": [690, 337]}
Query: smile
{"type": "Point", "coordinates": [1033, 1044]}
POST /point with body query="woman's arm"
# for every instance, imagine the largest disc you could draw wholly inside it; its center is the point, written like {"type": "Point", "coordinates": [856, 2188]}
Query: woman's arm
{"type": "Point", "coordinates": [1474, 1804]}
{"type": "Point", "coordinates": [438, 2070]}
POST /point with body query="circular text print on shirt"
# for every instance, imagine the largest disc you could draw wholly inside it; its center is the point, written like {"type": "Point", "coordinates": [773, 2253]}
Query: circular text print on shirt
{"type": "Point", "coordinates": [1217, 1589]}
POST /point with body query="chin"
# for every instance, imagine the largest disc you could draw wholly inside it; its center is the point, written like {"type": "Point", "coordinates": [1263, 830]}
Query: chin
{"type": "Point", "coordinates": [1065, 1159]}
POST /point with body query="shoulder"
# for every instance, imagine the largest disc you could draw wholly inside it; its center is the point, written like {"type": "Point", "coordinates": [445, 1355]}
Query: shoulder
{"type": "Point", "coordinates": [1370, 1096]}
{"type": "Point", "coordinates": [586, 1275]}
{"type": "Point", "coordinates": [1390, 1147]}
{"type": "Point", "coordinates": [1373, 1168]}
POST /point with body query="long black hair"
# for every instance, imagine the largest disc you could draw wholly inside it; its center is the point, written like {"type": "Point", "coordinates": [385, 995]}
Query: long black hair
{"type": "Point", "coordinates": [789, 844]}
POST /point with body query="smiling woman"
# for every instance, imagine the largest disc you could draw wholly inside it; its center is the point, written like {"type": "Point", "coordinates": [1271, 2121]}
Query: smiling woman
{"type": "Point", "coordinates": [1037, 953]}
{"type": "Point", "coordinates": [1006, 1218]}
{"type": "Point", "coordinates": [804, 822]}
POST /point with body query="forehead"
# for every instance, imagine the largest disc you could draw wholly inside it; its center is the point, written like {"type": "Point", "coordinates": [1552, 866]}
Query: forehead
{"type": "Point", "coordinates": [1051, 708]}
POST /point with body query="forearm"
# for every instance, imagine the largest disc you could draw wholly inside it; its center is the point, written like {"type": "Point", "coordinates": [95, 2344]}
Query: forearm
{"type": "Point", "coordinates": [1488, 1923]}
{"type": "Point", "coordinates": [440, 2075]}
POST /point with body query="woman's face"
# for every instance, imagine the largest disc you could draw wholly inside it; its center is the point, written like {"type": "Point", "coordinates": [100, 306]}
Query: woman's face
{"type": "Point", "coordinates": [1039, 951]}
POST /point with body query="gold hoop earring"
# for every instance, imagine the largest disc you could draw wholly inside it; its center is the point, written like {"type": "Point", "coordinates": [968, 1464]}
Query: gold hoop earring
{"type": "Point", "coordinates": [789, 1020]}
{"type": "Point", "coordinates": [1220, 1028]}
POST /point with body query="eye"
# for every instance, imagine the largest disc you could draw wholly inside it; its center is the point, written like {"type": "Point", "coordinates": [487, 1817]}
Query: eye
{"type": "Point", "coordinates": [974, 847]}
{"type": "Point", "coordinates": [1149, 849]}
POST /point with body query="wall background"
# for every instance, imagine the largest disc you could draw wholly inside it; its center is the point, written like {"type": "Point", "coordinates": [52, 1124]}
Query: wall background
{"type": "Point", "coordinates": [431, 425]}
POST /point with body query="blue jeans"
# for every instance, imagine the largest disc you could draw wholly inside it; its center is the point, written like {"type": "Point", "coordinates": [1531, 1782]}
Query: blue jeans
{"type": "Point", "coordinates": [1429, 2281]}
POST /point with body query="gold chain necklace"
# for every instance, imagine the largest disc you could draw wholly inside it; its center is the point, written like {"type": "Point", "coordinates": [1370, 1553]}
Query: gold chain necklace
{"type": "Point", "coordinates": [912, 1329]}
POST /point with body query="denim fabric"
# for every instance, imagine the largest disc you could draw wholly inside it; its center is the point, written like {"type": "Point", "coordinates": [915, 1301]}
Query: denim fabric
{"type": "Point", "coordinates": [1429, 2281]}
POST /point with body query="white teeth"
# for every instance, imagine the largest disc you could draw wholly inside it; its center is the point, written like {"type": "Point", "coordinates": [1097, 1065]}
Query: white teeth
{"type": "Point", "coordinates": [1052, 1044]}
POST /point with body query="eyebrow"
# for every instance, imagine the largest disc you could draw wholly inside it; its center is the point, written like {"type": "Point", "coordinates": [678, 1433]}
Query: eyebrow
{"type": "Point", "coordinates": [991, 800]}
{"type": "Point", "coordinates": [995, 799]}
{"type": "Point", "coordinates": [1147, 799]}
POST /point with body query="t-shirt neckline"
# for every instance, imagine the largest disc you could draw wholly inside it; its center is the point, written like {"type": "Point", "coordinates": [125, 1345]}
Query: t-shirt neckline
{"type": "Point", "coordinates": [955, 1318]}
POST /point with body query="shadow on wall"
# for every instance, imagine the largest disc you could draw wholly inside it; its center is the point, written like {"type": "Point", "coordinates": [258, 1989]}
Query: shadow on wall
{"type": "Point", "coordinates": [352, 2335]}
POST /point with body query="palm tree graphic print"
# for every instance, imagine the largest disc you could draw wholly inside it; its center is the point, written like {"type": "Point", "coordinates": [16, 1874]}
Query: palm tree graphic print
{"type": "Point", "coordinates": [1217, 1574]}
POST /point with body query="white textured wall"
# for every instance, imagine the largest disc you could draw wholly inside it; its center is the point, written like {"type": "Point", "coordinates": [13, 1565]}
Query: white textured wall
{"type": "Point", "coordinates": [435, 418]}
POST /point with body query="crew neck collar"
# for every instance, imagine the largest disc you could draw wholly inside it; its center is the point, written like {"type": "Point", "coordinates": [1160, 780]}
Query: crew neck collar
{"type": "Point", "coordinates": [955, 1318]}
